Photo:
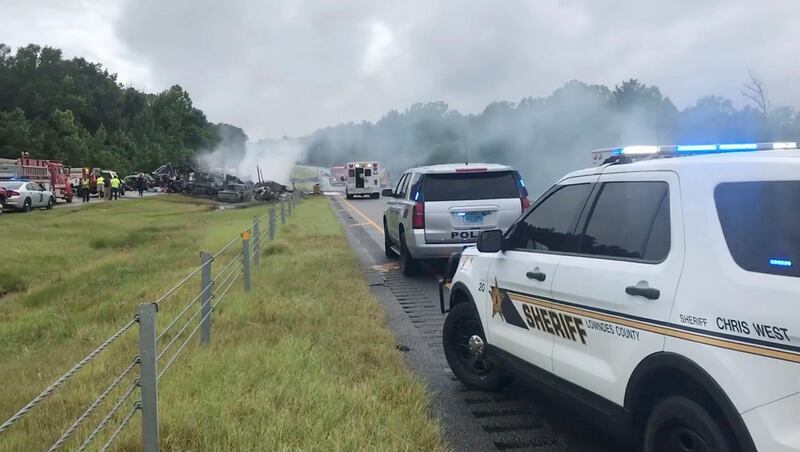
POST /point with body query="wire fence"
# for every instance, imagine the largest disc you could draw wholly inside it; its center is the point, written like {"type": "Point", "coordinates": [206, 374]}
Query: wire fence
{"type": "Point", "coordinates": [140, 396]}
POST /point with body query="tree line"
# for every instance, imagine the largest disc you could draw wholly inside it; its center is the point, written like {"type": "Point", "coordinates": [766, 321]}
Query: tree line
{"type": "Point", "coordinates": [74, 110]}
{"type": "Point", "coordinates": [545, 137]}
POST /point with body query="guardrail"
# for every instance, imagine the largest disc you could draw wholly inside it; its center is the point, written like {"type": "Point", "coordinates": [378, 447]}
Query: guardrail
{"type": "Point", "coordinates": [166, 345]}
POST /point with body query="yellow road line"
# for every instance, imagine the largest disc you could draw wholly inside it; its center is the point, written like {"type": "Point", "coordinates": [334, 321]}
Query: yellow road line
{"type": "Point", "coordinates": [370, 222]}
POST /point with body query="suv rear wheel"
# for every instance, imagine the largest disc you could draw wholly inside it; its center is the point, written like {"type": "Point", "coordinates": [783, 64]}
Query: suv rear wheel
{"type": "Point", "coordinates": [27, 205]}
{"type": "Point", "coordinates": [678, 424]}
{"type": "Point", "coordinates": [408, 265]}
{"type": "Point", "coordinates": [465, 349]}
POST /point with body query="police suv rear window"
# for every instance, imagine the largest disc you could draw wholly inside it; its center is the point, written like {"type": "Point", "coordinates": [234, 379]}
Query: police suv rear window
{"type": "Point", "coordinates": [761, 224]}
{"type": "Point", "coordinates": [466, 186]}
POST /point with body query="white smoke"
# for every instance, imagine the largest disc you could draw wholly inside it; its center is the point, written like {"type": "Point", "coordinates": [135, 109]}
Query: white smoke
{"type": "Point", "coordinates": [275, 158]}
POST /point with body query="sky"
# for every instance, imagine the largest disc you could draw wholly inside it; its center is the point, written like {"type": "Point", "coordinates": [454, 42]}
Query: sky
{"type": "Point", "coordinates": [288, 67]}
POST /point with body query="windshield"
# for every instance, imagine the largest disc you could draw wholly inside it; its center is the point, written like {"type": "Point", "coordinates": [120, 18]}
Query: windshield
{"type": "Point", "coordinates": [464, 186]}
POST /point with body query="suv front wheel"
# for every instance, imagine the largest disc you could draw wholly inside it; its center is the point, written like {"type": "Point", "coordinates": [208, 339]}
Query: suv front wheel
{"type": "Point", "coordinates": [678, 424]}
{"type": "Point", "coordinates": [465, 349]}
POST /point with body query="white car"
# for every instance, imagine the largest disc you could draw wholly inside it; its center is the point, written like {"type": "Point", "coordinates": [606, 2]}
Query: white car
{"type": "Point", "coordinates": [437, 210]}
{"type": "Point", "coordinates": [24, 195]}
{"type": "Point", "coordinates": [659, 295]}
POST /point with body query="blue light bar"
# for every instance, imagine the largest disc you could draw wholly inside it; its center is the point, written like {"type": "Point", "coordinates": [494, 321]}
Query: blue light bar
{"type": "Point", "coordinates": [696, 147]}
{"type": "Point", "coordinates": [416, 196]}
{"type": "Point", "coordinates": [738, 147]}
{"type": "Point", "coordinates": [780, 262]}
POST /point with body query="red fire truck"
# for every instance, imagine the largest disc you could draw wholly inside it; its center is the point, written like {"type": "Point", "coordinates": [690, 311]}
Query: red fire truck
{"type": "Point", "coordinates": [50, 173]}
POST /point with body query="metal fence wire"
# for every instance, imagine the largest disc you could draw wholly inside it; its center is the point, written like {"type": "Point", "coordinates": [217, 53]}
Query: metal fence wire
{"type": "Point", "coordinates": [141, 394]}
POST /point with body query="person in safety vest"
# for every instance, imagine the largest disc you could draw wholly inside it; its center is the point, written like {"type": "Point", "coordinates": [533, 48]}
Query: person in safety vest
{"type": "Point", "coordinates": [115, 188]}
{"type": "Point", "coordinates": [100, 186]}
{"type": "Point", "coordinates": [85, 188]}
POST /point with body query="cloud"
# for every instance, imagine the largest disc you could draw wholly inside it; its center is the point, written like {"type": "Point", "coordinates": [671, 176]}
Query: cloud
{"type": "Point", "coordinates": [287, 67]}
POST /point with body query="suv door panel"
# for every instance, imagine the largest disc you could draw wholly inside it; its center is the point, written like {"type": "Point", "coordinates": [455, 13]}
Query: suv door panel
{"type": "Point", "coordinates": [621, 328]}
{"type": "Point", "coordinates": [521, 278]}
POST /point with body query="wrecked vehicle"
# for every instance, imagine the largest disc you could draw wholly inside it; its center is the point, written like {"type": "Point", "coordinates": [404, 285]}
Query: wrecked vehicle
{"type": "Point", "coordinates": [270, 190]}
{"type": "Point", "coordinates": [235, 192]}
{"type": "Point", "coordinates": [132, 182]}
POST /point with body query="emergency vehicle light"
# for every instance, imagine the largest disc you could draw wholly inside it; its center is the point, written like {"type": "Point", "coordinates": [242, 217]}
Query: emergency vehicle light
{"type": "Point", "coordinates": [696, 147]}
{"type": "Point", "coordinates": [738, 147]}
{"type": "Point", "coordinates": [780, 262]}
{"type": "Point", "coordinates": [601, 156]}
{"type": "Point", "coordinates": [639, 150]}
{"type": "Point", "coordinates": [469, 170]}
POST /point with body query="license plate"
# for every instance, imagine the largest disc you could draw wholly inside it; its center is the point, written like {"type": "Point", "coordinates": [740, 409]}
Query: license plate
{"type": "Point", "coordinates": [473, 217]}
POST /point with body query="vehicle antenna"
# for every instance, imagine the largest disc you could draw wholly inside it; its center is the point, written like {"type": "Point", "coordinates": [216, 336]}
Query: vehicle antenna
{"type": "Point", "coordinates": [466, 151]}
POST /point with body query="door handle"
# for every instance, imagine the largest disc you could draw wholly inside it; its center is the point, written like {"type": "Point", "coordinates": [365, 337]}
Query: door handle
{"type": "Point", "coordinates": [647, 292]}
{"type": "Point", "coordinates": [539, 276]}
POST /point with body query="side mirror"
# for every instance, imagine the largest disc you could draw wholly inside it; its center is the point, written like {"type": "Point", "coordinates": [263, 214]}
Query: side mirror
{"type": "Point", "coordinates": [490, 241]}
{"type": "Point", "coordinates": [342, 178]}
{"type": "Point", "coordinates": [388, 192]}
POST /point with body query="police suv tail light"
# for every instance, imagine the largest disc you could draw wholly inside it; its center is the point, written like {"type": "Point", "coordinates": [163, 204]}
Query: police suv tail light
{"type": "Point", "coordinates": [11, 193]}
{"type": "Point", "coordinates": [525, 203]}
{"type": "Point", "coordinates": [418, 215]}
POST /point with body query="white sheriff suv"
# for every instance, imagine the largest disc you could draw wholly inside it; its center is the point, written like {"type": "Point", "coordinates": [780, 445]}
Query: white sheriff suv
{"type": "Point", "coordinates": [660, 290]}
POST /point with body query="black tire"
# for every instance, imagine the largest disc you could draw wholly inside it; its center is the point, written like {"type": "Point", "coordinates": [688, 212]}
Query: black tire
{"type": "Point", "coordinates": [387, 243]}
{"type": "Point", "coordinates": [408, 265]}
{"type": "Point", "coordinates": [27, 206]}
{"type": "Point", "coordinates": [69, 200]}
{"type": "Point", "coordinates": [349, 196]}
{"type": "Point", "coordinates": [678, 424]}
{"type": "Point", "coordinates": [50, 203]}
{"type": "Point", "coordinates": [477, 371]}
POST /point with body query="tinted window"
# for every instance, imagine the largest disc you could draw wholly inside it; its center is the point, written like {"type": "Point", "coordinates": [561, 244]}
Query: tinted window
{"type": "Point", "coordinates": [629, 220]}
{"type": "Point", "coordinates": [399, 188]}
{"type": "Point", "coordinates": [464, 186]}
{"type": "Point", "coordinates": [549, 226]}
{"type": "Point", "coordinates": [404, 188]}
{"type": "Point", "coordinates": [368, 172]}
{"type": "Point", "coordinates": [761, 224]}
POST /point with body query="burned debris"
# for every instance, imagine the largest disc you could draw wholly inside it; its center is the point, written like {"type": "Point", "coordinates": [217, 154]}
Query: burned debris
{"type": "Point", "coordinates": [214, 184]}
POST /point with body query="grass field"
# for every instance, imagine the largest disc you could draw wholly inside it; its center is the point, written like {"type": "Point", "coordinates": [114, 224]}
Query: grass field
{"type": "Point", "coordinates": [302, 362]}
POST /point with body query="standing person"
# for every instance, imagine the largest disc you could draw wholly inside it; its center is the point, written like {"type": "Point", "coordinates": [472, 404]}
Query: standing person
{"type": "Point", "coordinates": [107, 188]}
{"type": "Point", "coordinates": [140, 184]}
{"type": "Point", "coordinates": [100, 184]}
{"type": "Point", "coordinates": [85, 188]}
{"type": "Point", "coordinates": [115, 187]}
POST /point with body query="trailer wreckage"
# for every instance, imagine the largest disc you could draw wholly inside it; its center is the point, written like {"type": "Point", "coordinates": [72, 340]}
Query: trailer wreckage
{"type": "Point", "coordinates": [215, 184]}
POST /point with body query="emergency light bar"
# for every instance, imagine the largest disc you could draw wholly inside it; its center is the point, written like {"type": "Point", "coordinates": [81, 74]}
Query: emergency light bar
{"type": "Point", "coordinates": [631, 153]}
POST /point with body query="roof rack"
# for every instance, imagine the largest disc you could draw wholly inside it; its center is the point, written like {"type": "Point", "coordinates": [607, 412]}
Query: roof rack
{"type": "Point", "coordinates": [628, 154]}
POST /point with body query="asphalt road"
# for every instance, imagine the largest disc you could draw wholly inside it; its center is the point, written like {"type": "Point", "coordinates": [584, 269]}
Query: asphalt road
{"type": "Point", "coordinates": [519, 418]}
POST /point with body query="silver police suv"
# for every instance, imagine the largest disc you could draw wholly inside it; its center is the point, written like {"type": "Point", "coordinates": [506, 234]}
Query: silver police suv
{"type": "Point", "coordinates": [437, 210]}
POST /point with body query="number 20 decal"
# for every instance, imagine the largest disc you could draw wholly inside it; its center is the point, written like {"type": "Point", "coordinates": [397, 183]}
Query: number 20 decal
{"type": "Point", "coordinates": [481, 286]}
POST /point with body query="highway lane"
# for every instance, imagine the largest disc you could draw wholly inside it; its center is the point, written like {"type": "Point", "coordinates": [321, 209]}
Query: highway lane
{"type": "Point", "coordinates": [519, 418]}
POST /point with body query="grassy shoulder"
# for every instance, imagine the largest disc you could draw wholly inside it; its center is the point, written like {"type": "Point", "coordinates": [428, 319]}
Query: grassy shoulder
{"type": "Point", "coordinates": [303, 362]}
